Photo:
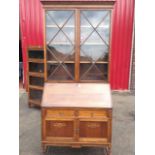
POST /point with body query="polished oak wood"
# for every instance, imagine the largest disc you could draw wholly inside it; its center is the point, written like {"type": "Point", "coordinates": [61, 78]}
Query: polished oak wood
{"type": "Point", "coordinates": [76, 115]}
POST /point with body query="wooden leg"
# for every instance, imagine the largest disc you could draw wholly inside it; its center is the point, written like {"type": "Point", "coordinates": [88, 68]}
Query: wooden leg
{"type": "Point", "coordinates": [108, 150]}
{"type": "Point", "coordinates": [30, 105]}
{"type": "Point", "coordinates": [44, 148]}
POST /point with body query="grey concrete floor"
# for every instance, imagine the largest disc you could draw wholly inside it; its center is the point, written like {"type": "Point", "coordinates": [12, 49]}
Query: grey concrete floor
{"type": "Point", "coordinates": [123, 129]}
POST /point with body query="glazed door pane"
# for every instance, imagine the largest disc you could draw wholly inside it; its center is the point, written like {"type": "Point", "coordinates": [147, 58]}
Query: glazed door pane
{"type": "Point", "coordinates": [92, 52]}
{"type": "Point", "coordinates": [94, 44]}
{"type": "Point", "coordinates": [60, 27]}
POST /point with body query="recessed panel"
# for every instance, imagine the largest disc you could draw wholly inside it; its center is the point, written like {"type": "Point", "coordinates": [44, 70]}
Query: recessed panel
{"type": "Point", "coordinates": [93, 129]}
{"type": "Point", "coordinates": [59, 129]}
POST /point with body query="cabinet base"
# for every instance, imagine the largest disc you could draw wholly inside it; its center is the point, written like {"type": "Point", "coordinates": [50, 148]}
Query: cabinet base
{"type": "Point", "coordinates": [107, 149]}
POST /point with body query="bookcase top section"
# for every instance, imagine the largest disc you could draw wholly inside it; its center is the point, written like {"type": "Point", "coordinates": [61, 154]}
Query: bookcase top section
{"type": "Point", "coordinates": [77, 95]}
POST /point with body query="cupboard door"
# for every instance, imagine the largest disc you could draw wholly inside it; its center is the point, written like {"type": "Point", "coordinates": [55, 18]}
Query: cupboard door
{"type": "Point", "coordinates": [59, 130]}
{"type": "Point", "coordinates": [60, 44]}
{"type": "Point", "coordinates": [94, 44]}
{"type": "Point", "coordinates": [93, 131]}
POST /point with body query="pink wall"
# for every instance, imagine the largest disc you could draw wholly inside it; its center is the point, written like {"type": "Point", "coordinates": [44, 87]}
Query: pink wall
{"type": "Point", "coordinates": [31, 24]}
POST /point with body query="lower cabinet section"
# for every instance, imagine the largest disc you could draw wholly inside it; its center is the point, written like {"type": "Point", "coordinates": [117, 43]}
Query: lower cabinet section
{"type": "Point", "coordinates": [70, 127]}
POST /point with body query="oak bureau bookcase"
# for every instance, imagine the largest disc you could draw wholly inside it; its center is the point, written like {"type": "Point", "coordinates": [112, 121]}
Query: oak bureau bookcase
{"type": "Point", "coordinates": [74, 74]}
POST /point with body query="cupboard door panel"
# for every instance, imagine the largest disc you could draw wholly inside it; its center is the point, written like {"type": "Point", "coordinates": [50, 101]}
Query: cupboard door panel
{"type": "Point", "coordinates": [92, 129]}
{"type": "Point", "coordinates": [57, 129]}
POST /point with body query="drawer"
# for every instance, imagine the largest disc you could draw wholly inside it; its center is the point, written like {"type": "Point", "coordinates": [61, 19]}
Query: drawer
{"type": "Point", "coordinates": [93, 113]}
{"type": "Point", "coordinates": [59, 113]}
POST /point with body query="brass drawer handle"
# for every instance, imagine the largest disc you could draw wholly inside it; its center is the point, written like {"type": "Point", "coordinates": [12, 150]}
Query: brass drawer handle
{"type": "Point", "coordinates": [93, 125]}
{"type": "Point", "coordinates": [59, 125]}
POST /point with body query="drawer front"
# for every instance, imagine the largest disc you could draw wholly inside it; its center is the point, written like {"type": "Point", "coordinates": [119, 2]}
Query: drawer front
{"type": "Point", "coordinates": [92, 113]}
{"type": "Point", "coordinates": [59, 113]}
{"type": "Point", "coordinates": [59, 129]}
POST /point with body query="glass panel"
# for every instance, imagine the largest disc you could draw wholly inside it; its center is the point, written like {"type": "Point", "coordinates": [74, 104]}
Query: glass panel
{"type": "Point", "coordinates": [50, 33]}
{"type": "Point", "coordinates": [60, 71]}
{"type": "Point", "coordinates": [94, 45]}
{"type": "Point", "coordinates": [92, 17]}
{"type": "Point", "coordinates": [94, 72]}
{"type": "Point", "coordinates": [59, 18]}
{"type": "Point", "coordinates": [67, 53]}
{"type": "Point", "coordinates": [93, 52]}
{"type": "Point", "coordinates": [85, 32]}
{"type": "Point", "coordinates": [104, 29]}
{"type": "Point", "coordinates": [60, 44]}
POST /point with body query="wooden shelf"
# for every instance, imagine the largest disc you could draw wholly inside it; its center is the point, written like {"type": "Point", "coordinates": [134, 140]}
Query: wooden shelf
{"type": "Point", "coordinates": [35, 48]}
{"type": "Point", "coordinates": [73, 26]}
{"type": "Point", "coordinates": [81, 62]}
{"type": "Point", "coordinates": [94, 81]}
{"type": "Point", "coordinates": [60, 43]}
{"type": "Point", "coordinates": [36, 74]}
{"type": "Point", "coordinates": [56, 62]}
{"type": "Point", "coordinates": [35, 87]}
{"type": "Point", "coordinates": [93, 44]}
{"type": "Point", "coordinates": [36, 60]}
{"type": "Point", "coordinates": [55, 26]}
{"type": "Point", "coordinates": [89, 62]}
{"type": "Point", "coordinates": [69, 44]}
{"type": "Point", "coordinates": [35, 102]}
